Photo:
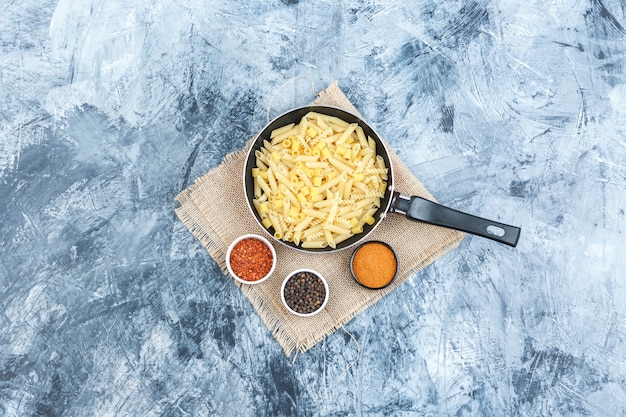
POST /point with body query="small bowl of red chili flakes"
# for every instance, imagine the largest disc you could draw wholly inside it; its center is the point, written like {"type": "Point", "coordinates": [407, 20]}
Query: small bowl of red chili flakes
{"type": "Point", "coordinates": [251, 259]}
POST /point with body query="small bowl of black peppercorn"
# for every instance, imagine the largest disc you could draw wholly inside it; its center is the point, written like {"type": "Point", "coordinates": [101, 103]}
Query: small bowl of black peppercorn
{"type": "Point", "coordinates": [304, 292]}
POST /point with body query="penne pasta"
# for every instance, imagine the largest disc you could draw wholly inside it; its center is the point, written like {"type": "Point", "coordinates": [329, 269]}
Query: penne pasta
{"type": "Point", "coordinates": [280, 130]}
{"type": "Point", "coordinates": [340, 230]}
{"type": "Point", "coordinates": [318, 182]}
{"type": "Point", "coordinates": [314, 244]}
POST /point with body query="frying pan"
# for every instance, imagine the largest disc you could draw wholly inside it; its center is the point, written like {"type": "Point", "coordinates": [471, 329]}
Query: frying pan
{"type": "Point", "coordinates": [413, 207]}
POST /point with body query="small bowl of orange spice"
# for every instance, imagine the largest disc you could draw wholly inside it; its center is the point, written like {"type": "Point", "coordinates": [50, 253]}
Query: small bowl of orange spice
{"type": "Point", "coordinates": [251, 259]}
{"type": "Point", "coordinates": [374, 264]}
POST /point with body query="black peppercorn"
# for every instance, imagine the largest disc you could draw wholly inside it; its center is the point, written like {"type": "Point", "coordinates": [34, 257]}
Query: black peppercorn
{"type": "Point", "coordinates": [304, 292]}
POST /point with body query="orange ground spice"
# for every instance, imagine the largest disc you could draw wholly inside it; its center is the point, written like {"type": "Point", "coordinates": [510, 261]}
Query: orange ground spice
{"type": "Point", "coordinates": [374, 265]}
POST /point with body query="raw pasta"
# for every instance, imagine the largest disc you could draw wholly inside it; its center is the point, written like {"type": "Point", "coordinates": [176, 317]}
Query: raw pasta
{"type": "Point", "coordinates": [318, 182]}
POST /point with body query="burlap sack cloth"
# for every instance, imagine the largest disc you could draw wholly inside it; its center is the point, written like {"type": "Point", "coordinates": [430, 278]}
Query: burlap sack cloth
{"type": "Point", "coordinates": [215, 211]}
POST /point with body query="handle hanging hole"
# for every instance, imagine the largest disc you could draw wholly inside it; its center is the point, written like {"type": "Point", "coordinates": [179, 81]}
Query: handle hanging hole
{"type": "Point", "coordinates": [495, 230]}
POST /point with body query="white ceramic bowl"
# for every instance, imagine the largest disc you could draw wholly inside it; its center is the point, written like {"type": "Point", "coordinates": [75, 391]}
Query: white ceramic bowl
{"type": "Point", "coordinates": [230, 249]}
{"type": "Point", "coordinates": [282, 292]}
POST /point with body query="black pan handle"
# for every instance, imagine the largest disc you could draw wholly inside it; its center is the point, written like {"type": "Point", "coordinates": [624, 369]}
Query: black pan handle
{"type": "Point", "coordinates": [420, 209]}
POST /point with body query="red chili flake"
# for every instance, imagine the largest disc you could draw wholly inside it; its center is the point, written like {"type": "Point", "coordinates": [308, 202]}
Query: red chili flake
{"type": "Point", "coordinates": [251, 259]}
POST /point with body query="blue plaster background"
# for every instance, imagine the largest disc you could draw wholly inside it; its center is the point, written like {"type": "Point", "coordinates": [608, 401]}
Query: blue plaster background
{"type": "Point", "coordinates": [511, 110]}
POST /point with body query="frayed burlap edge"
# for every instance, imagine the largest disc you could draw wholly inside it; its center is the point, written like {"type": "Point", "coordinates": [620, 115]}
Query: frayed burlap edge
{"type": "Point", "coordinates": [190, 215]}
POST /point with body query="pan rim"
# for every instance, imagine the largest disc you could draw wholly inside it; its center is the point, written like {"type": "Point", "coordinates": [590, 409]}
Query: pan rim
{"type": "Point", "coordinates": [382, 211]}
